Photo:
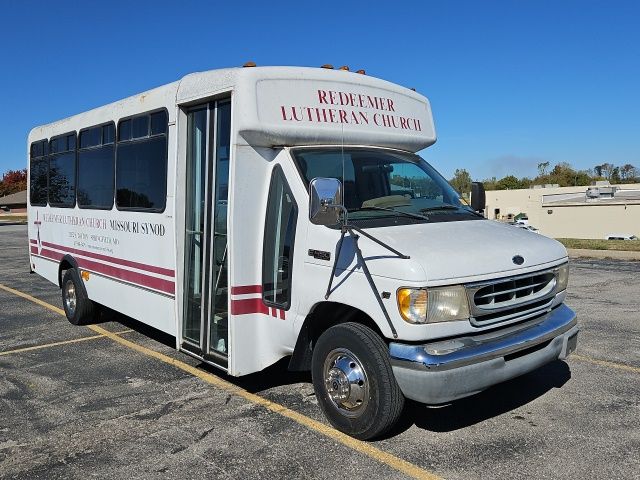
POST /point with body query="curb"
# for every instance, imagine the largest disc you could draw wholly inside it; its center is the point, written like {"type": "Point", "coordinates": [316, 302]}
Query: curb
{"type": "Point", "coordinates": [603, 254]}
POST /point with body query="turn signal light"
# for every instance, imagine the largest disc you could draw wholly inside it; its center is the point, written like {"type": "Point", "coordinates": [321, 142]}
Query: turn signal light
{"type": "Point", "coordinates": [412, 304]}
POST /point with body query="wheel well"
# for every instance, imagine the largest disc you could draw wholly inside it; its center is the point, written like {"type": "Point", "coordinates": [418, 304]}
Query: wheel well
{"type": "Point", "coordinates": [323, 316]}
{"type": "Point", "coordinates": [66, 263]}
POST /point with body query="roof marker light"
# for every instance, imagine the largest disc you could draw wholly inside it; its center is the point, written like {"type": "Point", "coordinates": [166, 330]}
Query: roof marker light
{"type": "Point", "coordinates": [361, 72]}
{"type": "Point", "coordinates": [345, 68]}
{"type": "Point", "coordinates": [328, 66]}
{"type": "Point", "coordinates": [249, 64]}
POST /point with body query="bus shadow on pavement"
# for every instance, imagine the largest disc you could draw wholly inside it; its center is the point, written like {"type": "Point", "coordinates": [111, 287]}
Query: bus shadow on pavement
{"type": "Point", "coordinates": [497, 400]}
{"type": "Point", "coordinates": [276, 375]}
{"type": "Point", "coordinates": [502, 398]}
{"type": "Point", "coordinates": [107, 315]}
{"type": "Point", "coordinates": [273, 376]}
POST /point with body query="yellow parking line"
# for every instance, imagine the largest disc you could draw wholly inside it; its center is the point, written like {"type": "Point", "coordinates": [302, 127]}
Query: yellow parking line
{"type": "Point", "coordinates": [381, 456]}
{"type": "Point", "coordinates": [63, 342]}
{"type": "Point", "coordinates": [31, 299]}
{"type": "Point", "coordinates": [363, 447]}
{"type": "Point", "coordinates": [604, 363]}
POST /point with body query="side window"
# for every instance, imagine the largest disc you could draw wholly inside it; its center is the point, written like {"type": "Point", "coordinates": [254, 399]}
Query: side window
{"type": "Point", "coordinates": [96, 158]}
{"type": "Point", "coordinates": [279, 236]}
{"type": "Point", "coordinates": [141, 162]}
{"type": "Point", "coordinates": [62, 171]}
{"type": "Point", "coordinates": [38, 167]}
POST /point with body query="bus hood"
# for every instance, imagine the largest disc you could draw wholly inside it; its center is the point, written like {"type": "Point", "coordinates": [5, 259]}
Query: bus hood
{"type": "Point", "coordinates": [458, 252]}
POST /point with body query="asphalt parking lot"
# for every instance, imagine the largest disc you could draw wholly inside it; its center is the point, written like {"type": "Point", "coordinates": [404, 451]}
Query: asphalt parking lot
{"type": "Point", "coordinates": [113, 402]}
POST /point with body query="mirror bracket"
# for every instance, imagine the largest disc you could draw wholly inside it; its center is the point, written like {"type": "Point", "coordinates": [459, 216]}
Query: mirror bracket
{"type": "Point", "coordinates": [326, 208]}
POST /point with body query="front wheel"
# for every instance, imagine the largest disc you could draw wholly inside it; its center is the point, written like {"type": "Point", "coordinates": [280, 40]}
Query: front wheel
{"type": "Point", "coordinates": [354, 382]}
{"type": "Point", "coordinates": [77, 306]}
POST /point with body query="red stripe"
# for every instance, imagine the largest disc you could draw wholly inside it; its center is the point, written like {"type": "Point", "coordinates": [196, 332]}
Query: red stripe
{"type": "Point", "coordinates": [31, 240]}
{"type": "Point", "coordinates": [34, 249]}
{"type": "Point", "coordinates": [51, 254]}
{"type": "Point", "coordinates": [281, 314]}
{"type": "Point", "coordinates": [244, 289]}
{"type": "Point", "coordinates": [248, 305]}
{"type": "Point", "coordinates": [166, 286]}
{"type": "Point", "coordinates": [119, 261]}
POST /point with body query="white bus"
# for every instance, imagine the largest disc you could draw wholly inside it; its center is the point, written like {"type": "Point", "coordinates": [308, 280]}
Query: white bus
{"type": "Point", "coordinates": [262, 213]}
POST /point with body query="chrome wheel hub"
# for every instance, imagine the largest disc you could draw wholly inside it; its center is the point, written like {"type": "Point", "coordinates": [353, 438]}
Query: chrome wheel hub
{"type": "Point", "coordinates": [70, 298]}
{"type": "Point", "coordinates": [346, 382]}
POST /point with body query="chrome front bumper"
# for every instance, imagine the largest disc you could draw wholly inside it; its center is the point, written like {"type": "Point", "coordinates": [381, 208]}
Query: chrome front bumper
{"type": "Point", "coordinates": [442, 371]}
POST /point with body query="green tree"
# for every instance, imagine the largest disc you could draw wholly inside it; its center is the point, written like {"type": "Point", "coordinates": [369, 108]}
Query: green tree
{"type": "Point", "coordinates": [461, 181]}
{"type": "Point", "coordinates": [566, 176]}
{"type": "Point", "coordinates": [509, 182]}
{"type": "Point", "coordinates": [628, 173]}
{"type": "Point", "coordinates": [606, 170]}
{"type": "Point", "coordinates": [542, 168]}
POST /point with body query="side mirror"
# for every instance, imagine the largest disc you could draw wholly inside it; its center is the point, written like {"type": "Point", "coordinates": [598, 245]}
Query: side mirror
{"type": "Point", "coordinates": [325, 201]}
{"type": "Point", "coordinates": [478, 200]}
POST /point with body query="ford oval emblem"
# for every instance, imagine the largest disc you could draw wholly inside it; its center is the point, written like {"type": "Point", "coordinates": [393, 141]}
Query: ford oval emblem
{"type": "Point", "coordinates": [518, 259]}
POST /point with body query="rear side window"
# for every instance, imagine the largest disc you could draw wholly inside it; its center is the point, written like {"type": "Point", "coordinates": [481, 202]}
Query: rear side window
{"type": "Point", "coordinates": [38, 167]}
{"type": "Point", "coordinates": [141, 163]}
{"type": "Point", "coordinates": [279, 236]}
{"type": "Point", "coordinates": [96, 163]}
{"type": "Point", "coordinates": [62, 171]}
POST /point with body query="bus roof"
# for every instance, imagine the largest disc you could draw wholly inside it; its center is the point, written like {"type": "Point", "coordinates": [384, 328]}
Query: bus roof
{"type": "Point", "coordinates": [278, 106]}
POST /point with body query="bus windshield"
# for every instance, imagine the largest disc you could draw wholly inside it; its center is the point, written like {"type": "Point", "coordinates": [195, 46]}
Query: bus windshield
{"type": "Point", "coordinates": [384, 188]}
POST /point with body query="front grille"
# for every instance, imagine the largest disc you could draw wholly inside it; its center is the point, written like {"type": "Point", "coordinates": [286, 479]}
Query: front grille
{"type": "Point", "coordinates": [511, 298]}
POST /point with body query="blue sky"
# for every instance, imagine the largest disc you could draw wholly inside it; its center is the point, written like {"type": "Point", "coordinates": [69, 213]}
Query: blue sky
{"type": "Point", "coordinates": [511, 83]}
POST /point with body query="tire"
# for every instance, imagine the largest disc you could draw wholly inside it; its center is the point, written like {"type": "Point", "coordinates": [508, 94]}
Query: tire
{"type": "Point", "coordinates": [77, 306]}
{"type": "Point", "coordinates": [354, 382]}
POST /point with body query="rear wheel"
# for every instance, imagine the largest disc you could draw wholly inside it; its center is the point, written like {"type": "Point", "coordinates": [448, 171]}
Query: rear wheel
{"type": "Point", "coordinates": [77, 306]}
{"type": "Point", "coordinates": [354, 382]}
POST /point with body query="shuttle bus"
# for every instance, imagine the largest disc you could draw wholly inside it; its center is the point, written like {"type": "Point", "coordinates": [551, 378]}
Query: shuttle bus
{"type": "Point", "coordinates": [269, 212]}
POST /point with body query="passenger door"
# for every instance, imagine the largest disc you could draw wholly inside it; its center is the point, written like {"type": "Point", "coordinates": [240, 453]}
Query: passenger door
{"type": "Point", "coordinates": [205, 315]}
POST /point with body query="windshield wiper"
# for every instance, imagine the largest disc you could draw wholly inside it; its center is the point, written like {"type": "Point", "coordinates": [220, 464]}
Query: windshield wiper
{"type": "Point", "coordinates": [406, 214]}
{"type": "Point", "coordinates": [444, 206]}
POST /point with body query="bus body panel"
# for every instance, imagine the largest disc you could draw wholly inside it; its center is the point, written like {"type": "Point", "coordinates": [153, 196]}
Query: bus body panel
{"type": "Point", "coordinates": [130, 255]}
{"type": "Point", "coordinates": [136, 260]}
{"type": "Point", "coordinates": [259, 334]}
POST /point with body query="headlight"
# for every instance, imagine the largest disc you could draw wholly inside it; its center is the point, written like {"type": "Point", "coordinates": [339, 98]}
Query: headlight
{"type": "Point", "coordinates": [442, 304]}
{"type": "Point", "coordinates": [562, 277]}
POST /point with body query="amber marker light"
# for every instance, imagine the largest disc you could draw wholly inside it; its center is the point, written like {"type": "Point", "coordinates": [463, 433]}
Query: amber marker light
{"type": "Point", "coordinates": [345, 68]}
{"type": "Point", "coordinates": [85, 275]}
{"type": "Point", "coordinates": [328, 66]}
{"type": "Point", "coordinates": [361, 72]}
{"type": "Point", "coordinates": [249, 64]}
{"type": "Point", "coordinates": [412, 303]}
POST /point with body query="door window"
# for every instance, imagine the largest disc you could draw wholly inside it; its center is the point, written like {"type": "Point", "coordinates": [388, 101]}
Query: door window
{"type": "Point", "coordinates": [279, 236]}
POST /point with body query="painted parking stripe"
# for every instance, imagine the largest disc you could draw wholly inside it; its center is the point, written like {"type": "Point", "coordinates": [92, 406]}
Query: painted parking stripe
{"type": "Point", "coordinates": [63, 342]}
{"type": "Point", "coordinates": [605, 363]}
{"type": "Point", "coordinates": [365, 448]}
